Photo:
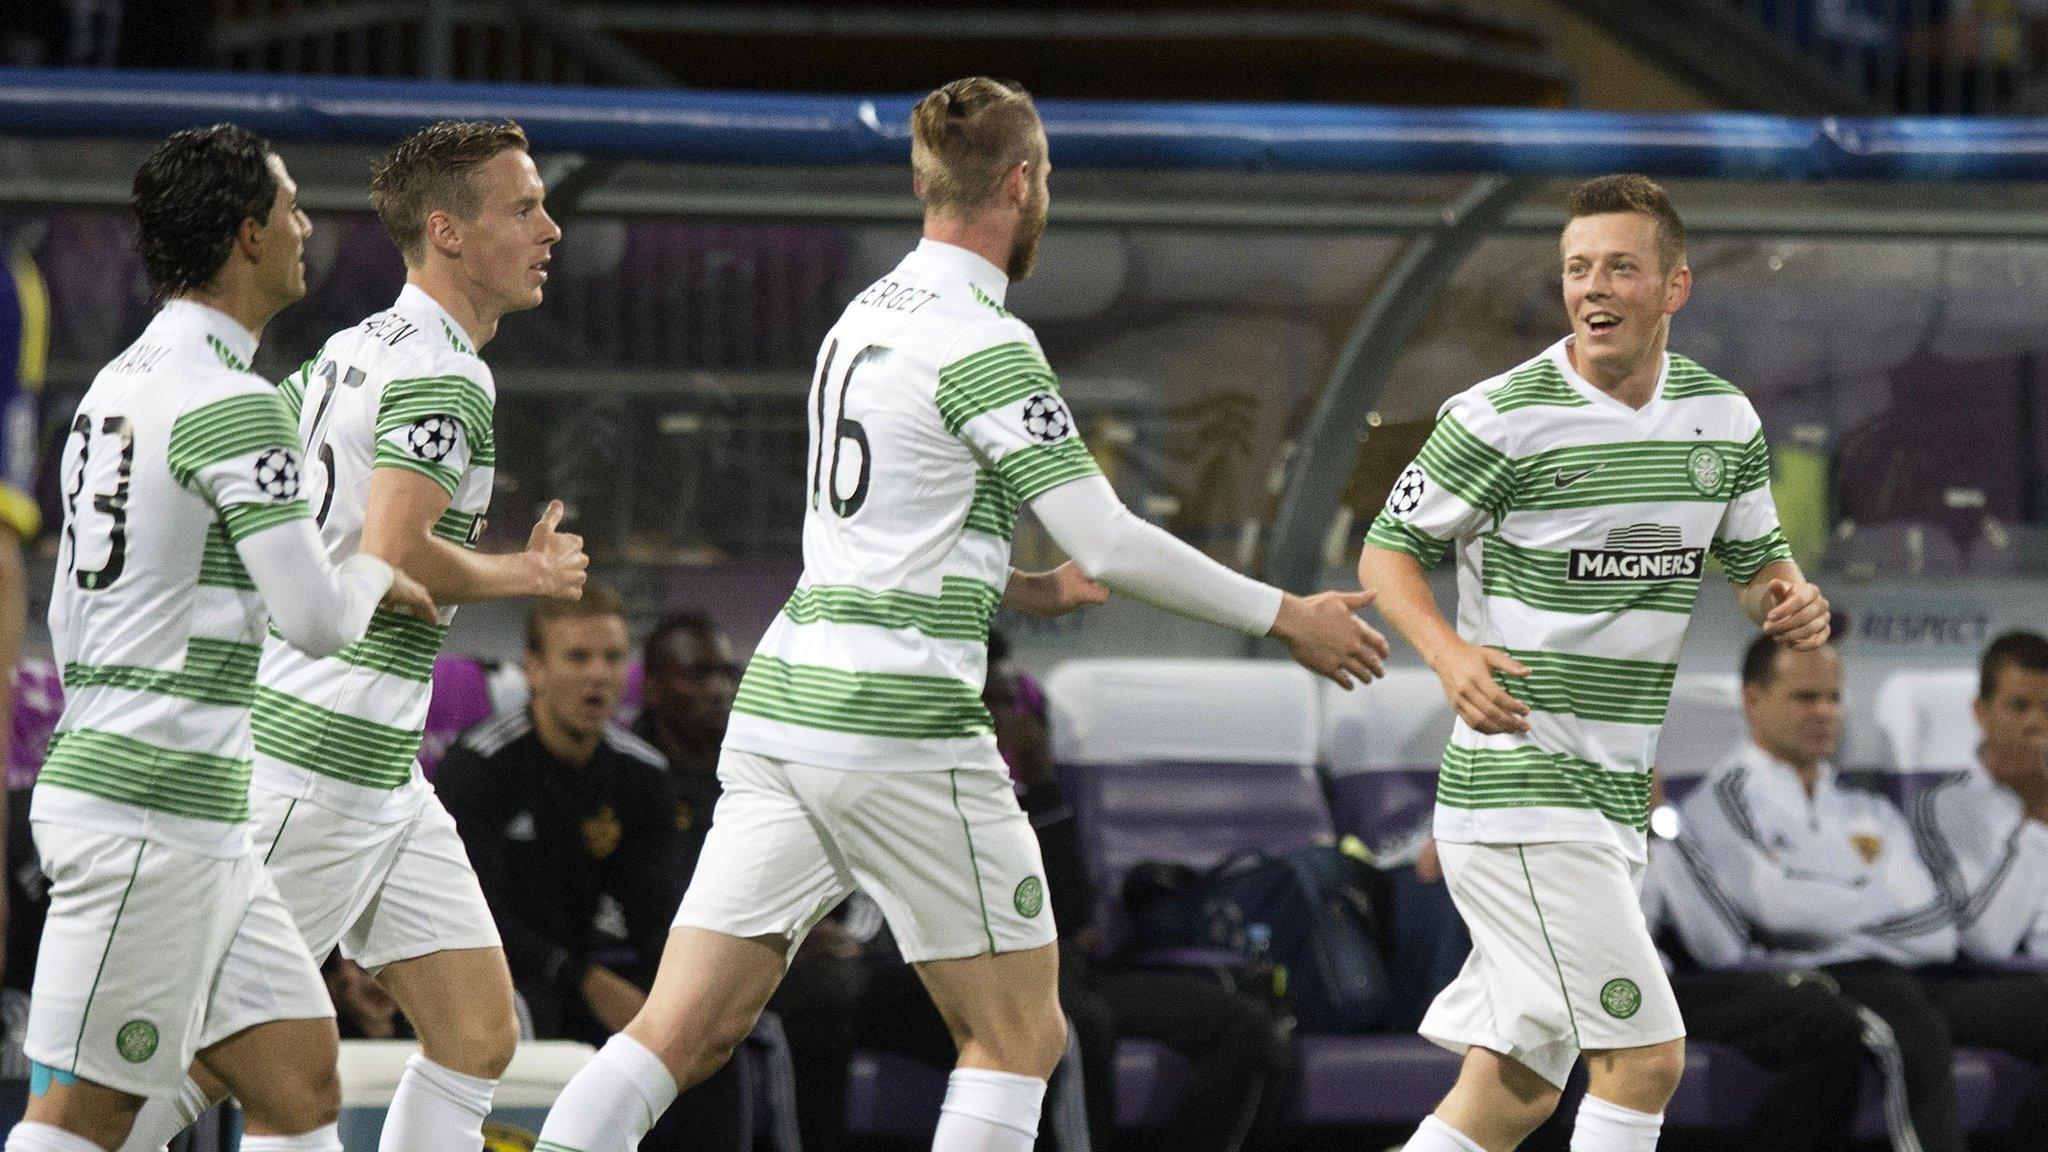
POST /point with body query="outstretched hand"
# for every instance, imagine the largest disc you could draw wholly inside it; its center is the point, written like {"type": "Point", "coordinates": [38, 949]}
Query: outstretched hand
{"type": "Point", "coordinates": [1050, 594]}
{"type": "Point", "coordinates": [1326, 636]}
{"type": "Point", "coordinates": [409, 596]}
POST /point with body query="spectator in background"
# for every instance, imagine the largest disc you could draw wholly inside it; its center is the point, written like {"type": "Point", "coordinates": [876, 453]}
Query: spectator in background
{"type": "Point", "coordinates": [24, 349]}
{"type": "Point", "coordinates": [1985, 829]}
{"type": "Point", "coordinates": [571, 826]}
{"type": "Point", "coordinates": [1794, 868]}
{"type": "Point", "coordinates": [690, 677]}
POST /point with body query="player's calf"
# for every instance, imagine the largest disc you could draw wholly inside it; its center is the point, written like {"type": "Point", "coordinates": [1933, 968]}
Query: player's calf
{"type": "Point", "coordinates": [61, 1105]}
{"type": "Point", "coordinates": [1495, 1105]}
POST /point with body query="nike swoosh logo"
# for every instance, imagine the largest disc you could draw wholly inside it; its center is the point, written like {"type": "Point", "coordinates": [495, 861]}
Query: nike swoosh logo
{"type": "Point", "coordinates": [1567, 479]}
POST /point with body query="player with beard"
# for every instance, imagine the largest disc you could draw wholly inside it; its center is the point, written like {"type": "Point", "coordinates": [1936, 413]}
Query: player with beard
{"type": "Point", "coordinates": [859, 754]}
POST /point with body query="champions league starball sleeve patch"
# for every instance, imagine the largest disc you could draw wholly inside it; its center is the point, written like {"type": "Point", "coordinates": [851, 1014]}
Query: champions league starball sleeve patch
{"type": "Point", "coordinates": [277, 474]}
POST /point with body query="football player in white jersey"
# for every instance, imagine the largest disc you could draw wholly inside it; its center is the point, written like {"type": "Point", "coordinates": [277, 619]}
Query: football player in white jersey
{"type": "Point", "coordinates": [859, 753]}
{"type": "Point", "coordinates": [1583, 492]}
{"type": "Point", "coordinates": [396, 417]}
{"type": "Point", "coordinates": [184, 535]}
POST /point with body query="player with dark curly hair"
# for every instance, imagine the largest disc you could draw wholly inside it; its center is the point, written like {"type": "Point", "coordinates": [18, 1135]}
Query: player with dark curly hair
{"type": "Point", "coordinates": [185, 540]}
{"type": "Point", "coordinates": [395, 413]}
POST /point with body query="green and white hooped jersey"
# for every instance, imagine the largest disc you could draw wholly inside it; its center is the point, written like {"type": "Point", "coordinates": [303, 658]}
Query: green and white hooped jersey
{"type": "Point", "coordinates": [177, 452]}
{"type": "Point", "coordinates": [402, 389]}
{"type": "Point", "coordinates": [1582, 530]}
{"type": "Point", "coordinates": [933, 415]}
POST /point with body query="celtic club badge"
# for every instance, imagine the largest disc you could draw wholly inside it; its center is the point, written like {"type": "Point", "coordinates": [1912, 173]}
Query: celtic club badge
{"type": "Point", "coordinates": [1029, 897]}
{"type": "Point", "coordinates": [136, 1041]}
{"type": "Point", "coordinates": [277, 474]}
{"type": "Point", "coordinates": [431, 437]}
{"type": "Point", "coordinates": [1704, 466]}
{"type": "Point", "coordinates": [1046, 419]}
{"type": "Point", "coordinates": [1620, 997]}
{"type": "Point", "coordinates": [1407, 494]}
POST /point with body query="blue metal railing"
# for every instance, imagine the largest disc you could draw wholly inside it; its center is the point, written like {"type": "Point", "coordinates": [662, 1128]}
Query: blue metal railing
{"type": "Point", "coordinates": [704, 127]}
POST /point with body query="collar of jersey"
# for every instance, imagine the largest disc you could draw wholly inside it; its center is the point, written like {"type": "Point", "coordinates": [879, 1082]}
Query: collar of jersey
{"type": "Point", "coordinates": [210, 321]}
{"type": "Point", "coordinates": [414, 300]}
{"type": "Point", "coordinates": [1562, 358]}
{"type": "Point", "coordinates": [984, 274]}
{"type": "Point", "coordinates": [1773, 774]}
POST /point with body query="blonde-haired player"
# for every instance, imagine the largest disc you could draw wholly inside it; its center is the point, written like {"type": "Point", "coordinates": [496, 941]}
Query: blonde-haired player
{"type": "Point", "coordinates": [859, 753]}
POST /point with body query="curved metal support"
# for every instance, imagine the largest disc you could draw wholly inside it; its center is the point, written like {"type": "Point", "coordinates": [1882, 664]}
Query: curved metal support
{"type": "Point", "coordinates": [1320, 465]}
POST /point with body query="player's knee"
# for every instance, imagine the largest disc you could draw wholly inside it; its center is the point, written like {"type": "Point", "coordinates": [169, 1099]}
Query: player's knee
{"type": "Point", "coordinates": [296, 1099]}
{"type": "Point", "coordinates": [1030, 1045]}
{"type": "Point", "coordinates": [1533, 1108]}
{"type": "Point", "coordinates": [479, 1043]}
{"type": "Point", "coordinates": [1652, 1074]}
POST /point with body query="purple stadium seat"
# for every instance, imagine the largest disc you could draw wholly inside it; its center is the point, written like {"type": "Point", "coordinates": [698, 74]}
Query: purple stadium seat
{"type": "Point", "coordinates": [1926, 719]}
{"type": "Point", "coordinates": [1150, 1078]}
{"type": "Point", "coordinates": [38, 702]}
{"type": "Point", "coordinates": [1388, 1079]}
{"type": "Point", "coordinates": [1894, 548]}
{"type": "Point", "coordinates": [893, 1096]}
{"type": "Point", "coordinates": [1185, 760]}
{"type": "Point", "coordinates": [1989, 1088]}
{"type": "Point", "coordinates": [1381, 747]}
{"type": "Point", "coordinates": [461, 698]}
{"type": "Point", "coordinates": [1192, 760]}
{"type": "Point", "coordinates": [1951, 475]}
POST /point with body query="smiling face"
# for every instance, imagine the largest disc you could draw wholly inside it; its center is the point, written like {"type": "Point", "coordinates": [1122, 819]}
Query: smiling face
{"type": "Point", "coordinates": [1618, 293]}
{"type": "Point", "coordinates": [505, 250]}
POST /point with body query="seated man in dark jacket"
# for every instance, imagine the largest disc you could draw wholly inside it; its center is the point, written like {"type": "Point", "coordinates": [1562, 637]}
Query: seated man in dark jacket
{"type": "Point", "coordinates": [691, 675]}
{"type": "Point", "coordinates": [571, 824]}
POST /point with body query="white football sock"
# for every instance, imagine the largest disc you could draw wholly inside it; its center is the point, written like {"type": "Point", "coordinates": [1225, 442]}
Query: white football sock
{"type": "Point", "coordinates": [322, 1139]}
{"type": "Point", "coordinates": [435, 1108]}
{"type": "Point", "coordinates": [163, 1117]}
{"type": "Point", "coordinates": [611, 1103]}
{"type": "Point", "coordinates": [987, 1111]}
{"type": "Point", "coordinates": [1603, 1126]}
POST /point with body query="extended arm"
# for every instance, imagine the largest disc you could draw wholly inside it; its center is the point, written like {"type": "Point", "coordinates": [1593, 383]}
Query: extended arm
{"type": "Point", "coordinates": [1148, 563]}
{"type": "Point", "coordinates": [398, 527]}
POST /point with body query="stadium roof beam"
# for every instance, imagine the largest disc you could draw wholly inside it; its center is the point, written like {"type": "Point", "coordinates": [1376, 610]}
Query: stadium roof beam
{"type": "Point", "coordinates": [1336, 426]}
